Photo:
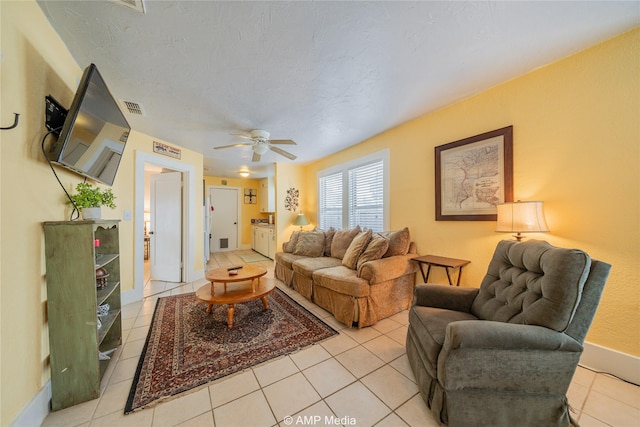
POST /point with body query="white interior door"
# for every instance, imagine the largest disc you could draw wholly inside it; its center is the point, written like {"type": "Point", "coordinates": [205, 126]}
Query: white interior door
{"type": "Point", "coordinates": [166, 226]}
{"type": "Point", "coordinates": [224, 219]}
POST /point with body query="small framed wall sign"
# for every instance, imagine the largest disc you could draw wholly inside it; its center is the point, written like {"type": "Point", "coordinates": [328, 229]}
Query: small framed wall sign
{"type": "Point", "coordinates": [167, 150]}
{"type": "Point", "coordinates": [250, 196]}
{"type": "Point", "coordinates": [474, 175]}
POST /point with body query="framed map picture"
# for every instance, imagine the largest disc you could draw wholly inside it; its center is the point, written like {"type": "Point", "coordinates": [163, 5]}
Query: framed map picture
{"type": "Point", "coordinates": [474, 175]}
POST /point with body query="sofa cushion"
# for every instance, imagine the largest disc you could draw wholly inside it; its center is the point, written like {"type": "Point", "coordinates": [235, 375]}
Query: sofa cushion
{"type": "Point", "coordinates": [429, 325]}
{"type": "Point", "coordinates": [306, 266]}
{"type": "Point", "coordinates": [377, 247]}
{"type": "Point", "coordinates": [286, 259]}
{"type": "Point", "coordinates": [532, 283]}
{"type": "Point", "coordinates": [310, 243]}
{"type": "Point", "coordinates": [291, 244]}
{"type": "Point", "coordinates": [328, 239]}
{"type": "Point", "coordinates": [355, 249]}
{"type": "Point", "coordinates": [341, 279]}
{"type": "Point", "coordinates": [341, 241]}
{"type": "Point", "coordinates": [398, 242]}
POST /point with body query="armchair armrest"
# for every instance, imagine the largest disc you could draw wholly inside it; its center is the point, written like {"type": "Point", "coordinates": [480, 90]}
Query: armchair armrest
{"type": "Point", "coordinates": [443, 296]}
{"type": "Point", "coordinates": [506, 336]}
{"type": "Point", "coordinates": [486, 355]}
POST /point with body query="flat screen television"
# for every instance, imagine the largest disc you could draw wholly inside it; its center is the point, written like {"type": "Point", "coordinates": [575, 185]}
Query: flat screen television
{"type": "Point", "coordinates": [94, 133]}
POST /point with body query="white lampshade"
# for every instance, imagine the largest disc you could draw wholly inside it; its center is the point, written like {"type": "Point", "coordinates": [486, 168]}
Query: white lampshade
{"type": "Point", "coordinates": [301, 220]}
{"type": "Point", "coordinates": [521, 217]}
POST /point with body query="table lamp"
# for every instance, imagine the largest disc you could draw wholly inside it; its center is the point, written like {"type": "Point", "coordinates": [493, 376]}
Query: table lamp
{"type": "Point", "coordinates": [301, 220]}
{"type": "Point", "coordinates": [521, 217]}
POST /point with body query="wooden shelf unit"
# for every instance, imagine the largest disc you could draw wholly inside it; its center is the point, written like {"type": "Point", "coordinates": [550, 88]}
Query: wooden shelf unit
{"type": "Point", "coordinates": [73, 298]}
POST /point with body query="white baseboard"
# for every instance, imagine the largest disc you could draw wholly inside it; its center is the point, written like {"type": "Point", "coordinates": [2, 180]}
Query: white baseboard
{"type": "Point", "coordinates": [623, 365]}
{"type": "Point", "coordinates": [34, 413]}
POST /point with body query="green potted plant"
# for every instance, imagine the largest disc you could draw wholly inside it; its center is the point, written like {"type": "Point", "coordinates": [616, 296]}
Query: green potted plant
{"type": "Point", "coordinates": [89, 200]}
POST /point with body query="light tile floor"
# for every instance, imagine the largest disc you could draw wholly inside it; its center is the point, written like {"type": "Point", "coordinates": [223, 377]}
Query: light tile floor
{"type": "Point", "coordinates": [359, 376]}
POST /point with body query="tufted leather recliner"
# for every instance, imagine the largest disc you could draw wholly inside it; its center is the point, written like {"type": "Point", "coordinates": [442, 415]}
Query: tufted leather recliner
{"type": "Point", "coordinates": [504, 354]}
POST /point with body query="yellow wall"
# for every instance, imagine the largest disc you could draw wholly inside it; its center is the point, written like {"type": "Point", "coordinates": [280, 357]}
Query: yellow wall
{"type": "Point", "coordinates": [35, 63]}
{"type": "Point", "coordinates": [576, 146]}
{"type": "Point", "coordinates": [290, 176]}
{"type": "Point", "coordinates": [249, 211]}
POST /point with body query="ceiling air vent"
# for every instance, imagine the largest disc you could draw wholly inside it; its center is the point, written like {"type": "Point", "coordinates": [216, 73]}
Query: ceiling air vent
{"type": "Point", "coordinates": [133, 4]}
{"type": "Point", "coordinates": [133, 108]}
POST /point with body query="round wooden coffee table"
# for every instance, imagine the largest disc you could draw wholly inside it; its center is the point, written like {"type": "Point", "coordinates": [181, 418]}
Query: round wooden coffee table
{"type": "Point", "coordinates": [247, 285]}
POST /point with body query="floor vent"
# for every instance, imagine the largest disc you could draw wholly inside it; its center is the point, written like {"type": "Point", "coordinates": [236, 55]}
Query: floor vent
{"type": "Point", "coordinates": [133, 107]}
{"type": "Point", "coordinates": [133, 4]}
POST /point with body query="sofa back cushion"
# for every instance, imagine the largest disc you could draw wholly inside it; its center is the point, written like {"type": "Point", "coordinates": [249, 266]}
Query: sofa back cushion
{"type": "Point", "coordinates": [358, 244]}
{"type": "Point", "coordinates": [291, 244]}
{"type": "Point", "coordinates": [328, 239]}
{"type": "Point", "coordinates": [398, 242]}
{"type": "Point", "coordinates": [310, 243]}
{"type": "Point", "coordinates": [532, 283]}
{"type": "Point", "coordinates": [341, 241]}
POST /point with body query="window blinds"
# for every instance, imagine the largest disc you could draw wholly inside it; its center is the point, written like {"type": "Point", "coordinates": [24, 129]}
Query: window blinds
{"type": "Point", "coordinates": [331, 201]}
{"type": "Point", "coordinates": [363, 203]}
{"type": "Point", "coordinates": [366, 196]}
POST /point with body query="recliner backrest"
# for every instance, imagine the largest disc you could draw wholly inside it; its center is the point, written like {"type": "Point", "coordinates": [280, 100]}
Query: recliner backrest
{"type": "Point", "coordinates": [532, 283]}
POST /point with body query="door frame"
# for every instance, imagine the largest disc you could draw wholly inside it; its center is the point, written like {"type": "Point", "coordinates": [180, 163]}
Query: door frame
{"type": "Point", "coordinates": [239, 198]}
{"type": "Point", "coordinates": [188, 223]}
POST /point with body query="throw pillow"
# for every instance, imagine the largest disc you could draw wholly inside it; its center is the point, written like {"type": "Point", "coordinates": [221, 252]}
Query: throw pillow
{"type": "Point", "coordinates": [310, 243]}
{"type": "Point", "coordinates": [341, 241]}
{"type": "Point", "coordinates": [358, 244]}
{"type": "Point", "coordinates": [398, 242]}
{"type": "Point", "coordinates": [291, 244]}
{"type": "Point", "coordinates": [375, 249]}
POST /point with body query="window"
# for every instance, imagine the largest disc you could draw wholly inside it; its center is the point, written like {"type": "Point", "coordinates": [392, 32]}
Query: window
{"type": "Point", "coordinates": [355, 193]}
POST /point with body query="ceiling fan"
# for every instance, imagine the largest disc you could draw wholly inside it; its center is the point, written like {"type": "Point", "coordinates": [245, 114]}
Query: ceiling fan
{"type": "Point", "coordinates": [260, 144]}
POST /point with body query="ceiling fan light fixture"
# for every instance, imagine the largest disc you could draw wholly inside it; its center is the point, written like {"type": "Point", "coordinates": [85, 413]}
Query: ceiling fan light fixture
{"type": "Point", "coordinates": [260, 149]}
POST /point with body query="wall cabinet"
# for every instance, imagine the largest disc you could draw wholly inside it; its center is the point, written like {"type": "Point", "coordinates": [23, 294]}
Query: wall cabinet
{"type": "Point", "coordinates": [80, 342]}
{"type": "Point", "coordinates": [267, 195]}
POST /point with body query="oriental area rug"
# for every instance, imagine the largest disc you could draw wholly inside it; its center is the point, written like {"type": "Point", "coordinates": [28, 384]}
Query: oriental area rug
{"type": "Point", "coordinates": [187, 348]}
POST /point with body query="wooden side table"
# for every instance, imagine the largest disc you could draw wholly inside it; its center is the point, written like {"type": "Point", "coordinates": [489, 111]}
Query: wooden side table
{"type": "Point", "coordinates": [439, 261]}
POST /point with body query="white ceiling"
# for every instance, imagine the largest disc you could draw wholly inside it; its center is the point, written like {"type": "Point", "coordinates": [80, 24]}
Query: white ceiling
{"type": "Point", "coordinates": [326, 74]}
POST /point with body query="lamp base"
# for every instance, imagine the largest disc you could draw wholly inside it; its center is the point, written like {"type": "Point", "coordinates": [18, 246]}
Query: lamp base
{"type": "Point", "coordinates": [519, 237]}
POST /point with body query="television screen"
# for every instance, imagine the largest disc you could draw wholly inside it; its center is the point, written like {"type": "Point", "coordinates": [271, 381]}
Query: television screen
{"type": "Point", "coordinates": [94, 133]}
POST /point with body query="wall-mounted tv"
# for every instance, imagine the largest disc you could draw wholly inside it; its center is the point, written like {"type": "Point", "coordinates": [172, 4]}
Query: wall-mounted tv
{"type": "Point", "coordinates": [94, 133]}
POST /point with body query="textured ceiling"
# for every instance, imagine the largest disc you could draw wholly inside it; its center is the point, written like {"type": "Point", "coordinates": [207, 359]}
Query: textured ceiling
{"type": "Point", "coordinates": [325, 74]}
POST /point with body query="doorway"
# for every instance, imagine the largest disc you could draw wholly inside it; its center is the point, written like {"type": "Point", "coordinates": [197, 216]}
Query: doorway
{"type": "Point", "coordinates": [188, 244]}
{"type": "Point", "coordinates": [165, 228]}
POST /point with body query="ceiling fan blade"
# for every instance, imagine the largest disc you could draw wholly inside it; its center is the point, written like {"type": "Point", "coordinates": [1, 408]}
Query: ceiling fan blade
{"type": "Point", "coordinates": [232, 145]}
{"type": "Point", "coordinates": [256, 157]}
{"type": "Point", "coordinates": [241, 136]}
{"type": "Point", "coordinates": [283, 153]}
{"type": "Point", "coordinates": [282, 141]}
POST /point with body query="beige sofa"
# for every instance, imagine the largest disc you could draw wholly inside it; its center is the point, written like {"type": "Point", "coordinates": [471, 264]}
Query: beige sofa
{"type": "Point", "coordinates": [357, 275]}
